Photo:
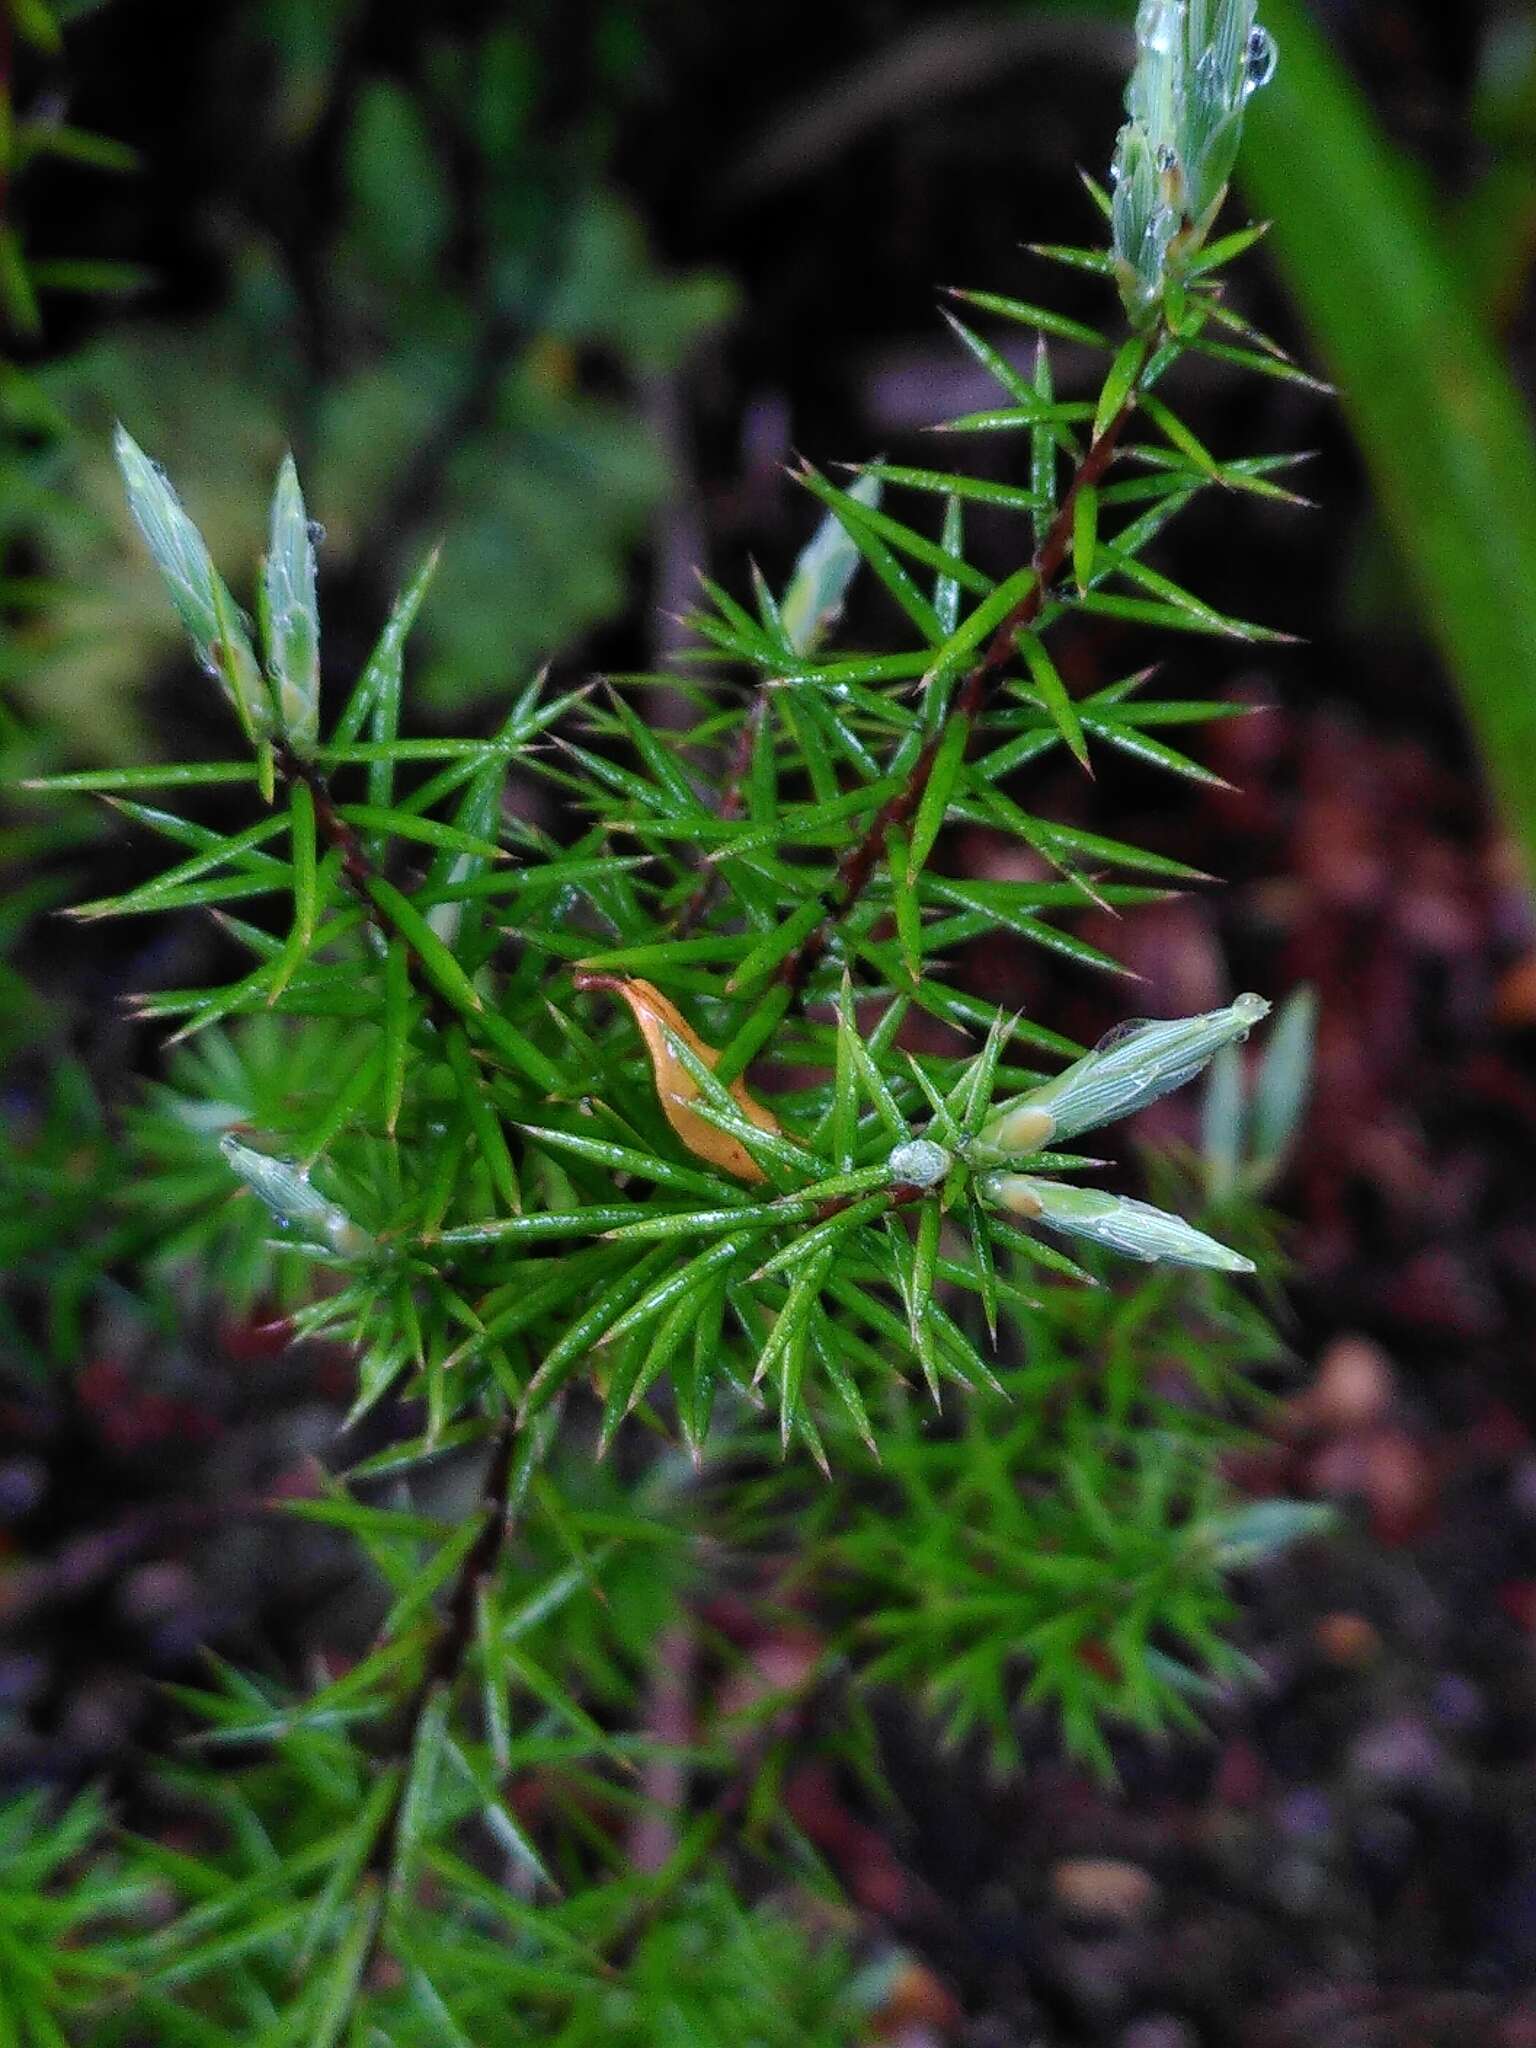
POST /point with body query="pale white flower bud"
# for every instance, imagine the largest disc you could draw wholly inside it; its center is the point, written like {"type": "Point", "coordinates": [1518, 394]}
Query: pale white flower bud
{"type": "Point", "coordinates": [1198, 63]}
{"type": "Point", "coordinates": [1133, 1065]}
{"type": "Point", "coordinates": [294, 1201]}
{"type": "Point", "coordinates": [1134, 1229]}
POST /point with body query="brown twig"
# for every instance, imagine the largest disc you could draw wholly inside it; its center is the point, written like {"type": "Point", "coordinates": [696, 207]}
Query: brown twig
{"type": "Point", "coordinates": [858, 864]}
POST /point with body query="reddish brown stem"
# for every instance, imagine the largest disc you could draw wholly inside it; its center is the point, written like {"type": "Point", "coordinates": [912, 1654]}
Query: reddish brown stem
{"type": "Point", "coordinates": [333, 827]}
{"type": "Point", "coordinates": [903, 1194]}
{"type": "Point", "coordinates": [858, 864]}
{"type": "Point", "coordinates": [731, 806]}
{"type": "Point", "coordinates": [356, 864]}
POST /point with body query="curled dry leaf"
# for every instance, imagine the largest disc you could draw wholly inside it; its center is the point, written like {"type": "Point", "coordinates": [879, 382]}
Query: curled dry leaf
{"type": "Point", "coordinates": [660, 1022]}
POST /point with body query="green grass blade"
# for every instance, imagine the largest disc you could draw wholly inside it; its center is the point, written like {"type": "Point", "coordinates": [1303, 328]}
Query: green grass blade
{"type": "Point", "coordinates": [1442, 427]}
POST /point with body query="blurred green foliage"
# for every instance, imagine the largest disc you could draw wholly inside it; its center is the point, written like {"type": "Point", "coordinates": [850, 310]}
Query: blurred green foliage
{"type": "Point", "coordinates": [1406, 293]}
{"type": "Point", "coordinates": [59, 1163]}
{"type": "Point", "coordinates": [1440, 421]}
{"type": "Point", "coordinates": [460, 351]}
{"type": "Point", "coordinates": [35, 493]}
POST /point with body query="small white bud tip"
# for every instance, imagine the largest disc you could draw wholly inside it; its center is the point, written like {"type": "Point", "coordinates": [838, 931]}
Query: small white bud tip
{"type": "Point", "coordinates": [919, 1163]}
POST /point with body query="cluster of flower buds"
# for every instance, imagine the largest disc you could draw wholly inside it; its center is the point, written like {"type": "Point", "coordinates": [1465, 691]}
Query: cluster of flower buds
{"type": "Point", "coordinates": [1198, 63]}
{"type": "Point", "coordinates": [1135, 1064]}
{"type": "Point", "coordinates": [282, 701]}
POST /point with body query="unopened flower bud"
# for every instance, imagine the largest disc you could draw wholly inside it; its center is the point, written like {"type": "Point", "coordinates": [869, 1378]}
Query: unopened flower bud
{"type": "Point", "coordinates": [1134, 1229]}
{"type": "Point", "coordinates": [824, 568]}
{"type": "Point", "coordinates": [1198, 63]}
{"type": "Point", "coordinates": [294, 1201]}
{"type": "Point", "coordinates": [1022, 1128]}
{"type": "Point", "coordinates": [1133, 1065]}
{"type": "Point", "coordinates": [196, 589]}
{"type": "Point", "coordinates": [290, 616]}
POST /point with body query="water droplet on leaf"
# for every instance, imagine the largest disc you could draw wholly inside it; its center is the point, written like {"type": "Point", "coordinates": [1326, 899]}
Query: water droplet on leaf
{"type": "Point", "coordinates": [1260, 59]}
{"type": "Point", "coordinates": [1117, 1034]}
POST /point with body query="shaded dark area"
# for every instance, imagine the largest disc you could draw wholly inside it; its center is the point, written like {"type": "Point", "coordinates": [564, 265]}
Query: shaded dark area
{"type": "Point", "coordinates": [1353, 1855]}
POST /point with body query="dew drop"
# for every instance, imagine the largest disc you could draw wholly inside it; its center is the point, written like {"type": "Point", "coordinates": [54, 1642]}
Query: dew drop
{"type": "Point", "coordinates": [316, 534]}
{"type": "Point", "coordinates": [1259, 60]}
{"type": "Point", "coordinates": [1117, 1034]}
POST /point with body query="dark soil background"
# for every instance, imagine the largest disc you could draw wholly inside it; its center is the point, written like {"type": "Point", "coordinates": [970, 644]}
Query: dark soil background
{"type": "Point", "coordinates": [1352, 1858]}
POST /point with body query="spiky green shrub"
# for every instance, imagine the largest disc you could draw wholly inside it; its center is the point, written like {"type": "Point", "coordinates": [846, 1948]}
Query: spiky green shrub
{"type": "Point", "coordinates": [604, 1154]}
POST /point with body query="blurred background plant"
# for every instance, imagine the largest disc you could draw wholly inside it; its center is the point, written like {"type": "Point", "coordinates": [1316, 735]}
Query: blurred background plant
{"type": "Point", "coordinates": [422, 278]}
{"type": "Point", "coordinates": [58, 1167]}
{"type": "Point", "coordinates": [42, 146]}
